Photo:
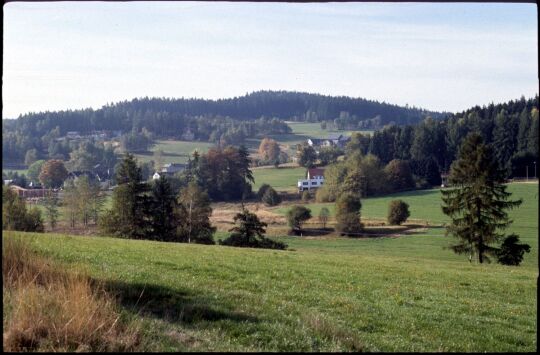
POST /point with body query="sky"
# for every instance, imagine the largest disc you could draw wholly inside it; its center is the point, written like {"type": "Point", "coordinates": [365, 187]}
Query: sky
{"type": "Point", "coordinates": [443, 57]}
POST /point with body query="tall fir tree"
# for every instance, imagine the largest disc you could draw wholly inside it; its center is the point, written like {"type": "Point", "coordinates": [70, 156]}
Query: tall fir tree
{"type": "Point", "coordinates": [163, 205]}
{"type": "Point", "coordinates": [477, 202]}
{"type": "Point", "coordinates": [129, 215]}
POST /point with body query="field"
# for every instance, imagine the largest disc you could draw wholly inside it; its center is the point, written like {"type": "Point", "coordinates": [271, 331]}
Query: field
{"type": "Point", "coordinates": [281, 179]}
{"type": "Point", "coordinates": [174, 151]}
{"type": "Point", "coordinates": [339, 294]}
{"type": "Point", "coordinates": [179, 151]}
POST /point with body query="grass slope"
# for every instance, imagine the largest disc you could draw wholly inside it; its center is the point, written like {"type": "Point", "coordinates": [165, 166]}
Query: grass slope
{"type": "Point", "coordinates": [393, 294]}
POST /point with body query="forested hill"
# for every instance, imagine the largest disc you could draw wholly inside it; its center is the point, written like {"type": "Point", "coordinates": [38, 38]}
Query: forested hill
{"type": "Point", "coordinates": [296, 106]}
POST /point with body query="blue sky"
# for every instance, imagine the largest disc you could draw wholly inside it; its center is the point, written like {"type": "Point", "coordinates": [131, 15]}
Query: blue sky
{"type": "Point", "coordinates": [449, 57]}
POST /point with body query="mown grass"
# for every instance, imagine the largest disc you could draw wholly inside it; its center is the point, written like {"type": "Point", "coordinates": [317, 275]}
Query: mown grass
{"type": "Point", "coordinates": [283, 178]}
{"type": "Point", "coordinates": [174, 151]}
{"type": "Point", "coordinates": [376, 294]}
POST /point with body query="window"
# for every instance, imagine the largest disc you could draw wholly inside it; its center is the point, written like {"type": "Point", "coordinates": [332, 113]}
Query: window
{"type": "Point", "coordinates": [305, 183]}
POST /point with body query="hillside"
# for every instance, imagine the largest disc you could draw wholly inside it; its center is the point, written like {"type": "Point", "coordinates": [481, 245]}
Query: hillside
{"type": "Point", "coordinates": [343, 294]}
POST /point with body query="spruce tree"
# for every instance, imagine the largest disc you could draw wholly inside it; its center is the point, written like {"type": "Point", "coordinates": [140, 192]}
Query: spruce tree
{"type": "Point", "coordinates": [249, 233]}
{"type": "Point", "coordinates": [477, 202]}
{"type": "Point", "coordinates": [163, 205]}
{"type": "Point", "coordinates": [129, 216]}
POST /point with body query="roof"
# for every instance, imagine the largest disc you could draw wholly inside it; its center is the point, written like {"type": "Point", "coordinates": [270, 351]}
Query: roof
{"type": "Point", "coordinates": [316, 172]}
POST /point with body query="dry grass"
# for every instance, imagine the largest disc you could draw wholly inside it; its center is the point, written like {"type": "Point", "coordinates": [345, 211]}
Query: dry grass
{"type": "Point", "coordinates": [49, 309]}
{"type": "Point", "coordinates": [330, 330]}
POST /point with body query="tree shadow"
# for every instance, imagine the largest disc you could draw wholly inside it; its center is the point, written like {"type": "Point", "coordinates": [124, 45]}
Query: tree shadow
{"type": "Point", "coordinates": [170, 305]}
{"type": "Point", "coordinates": [311, 232]}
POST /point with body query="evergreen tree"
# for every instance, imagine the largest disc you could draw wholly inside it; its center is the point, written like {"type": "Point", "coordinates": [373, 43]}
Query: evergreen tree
{"type": "Point", "coordinates": [163, 204]}
{"type": "Point", "coordinates": [504, 140]}
{"type": "Point", "coordinates": [129, 215]}
{"type": "Point", "coordinates": [478, 201]}
{"type": "Point", "coordinates": [511, 251]}
{"type": "Point", "coordinates": [250, 233]}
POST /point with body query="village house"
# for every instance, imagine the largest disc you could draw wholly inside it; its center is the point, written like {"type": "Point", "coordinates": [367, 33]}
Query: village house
{"type": "Point", "coordinates": [169, 170]}
{"type": "Point", "coordinates": [314, 179]}
{"type": "Point", "coordinates": [333, 140]}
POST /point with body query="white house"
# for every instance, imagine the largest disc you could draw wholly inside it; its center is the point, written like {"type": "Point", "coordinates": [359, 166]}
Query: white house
{"type": "Point", "coordinates": [169, 170]}
{"type": "Point", "coordinates": [314, 179]}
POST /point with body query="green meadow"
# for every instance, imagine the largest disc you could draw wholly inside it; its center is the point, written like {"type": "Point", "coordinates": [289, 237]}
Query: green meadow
{"type": "Point", "coordinates": [283, 178]}
{"type": "Point", "coordinates": [174, 151]}
{"type": "Point", "coordinates": [339, 294]}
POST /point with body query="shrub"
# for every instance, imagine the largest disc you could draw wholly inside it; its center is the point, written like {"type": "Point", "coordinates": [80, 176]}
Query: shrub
{"type": "Point", "coordinates": [271, 197]}
{"type": "Point", "coordinates": [511, 252]}
{"type": "Point", "coordinates": [297, 215]}
{"type": "Point", "coordinates": [262, 190]}
{"type": "Point", "coordinates": [305, 196]}
{"type": "Point", "coordinates": [398, 212]}
{"type": "Point", "coordinates": [348, 214]}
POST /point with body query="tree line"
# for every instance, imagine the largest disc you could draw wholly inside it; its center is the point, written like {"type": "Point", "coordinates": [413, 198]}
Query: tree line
{"type": "Point", "coordinates": [432, 145]}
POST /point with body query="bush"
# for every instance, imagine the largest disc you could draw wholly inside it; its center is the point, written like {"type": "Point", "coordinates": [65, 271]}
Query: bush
{"type": "Point", "coordinates": [305, 196]}
{"type": "Point", "coordinates": [398, 212]}
{"type": "Point", "coordinates": [262, 190]}
{"type": "Point", "coordinates": [297, 215]}
{"type": "Point", "coordinates": [348, 214]}
{"type": "Point", "coordinates": [511, 252]}
{"type": "Point", "coordinates": [271, 197]}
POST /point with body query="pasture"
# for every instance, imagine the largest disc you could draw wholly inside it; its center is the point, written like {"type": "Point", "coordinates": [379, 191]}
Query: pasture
{"type": "Point", "coordinates": [174, 151]}
{"type": "Point", "coordinates": [281, 179]}
{"type": "Point", "coordinates": [340, 294]}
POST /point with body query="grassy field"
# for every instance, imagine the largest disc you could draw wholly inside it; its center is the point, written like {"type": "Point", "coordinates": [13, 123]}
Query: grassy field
{"type": "Point", "coordinates": [280, 179]}
{"type": "Point", "coordinates": [175, 151]}
{"type": "Point", "coordinates": [376, 294]}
